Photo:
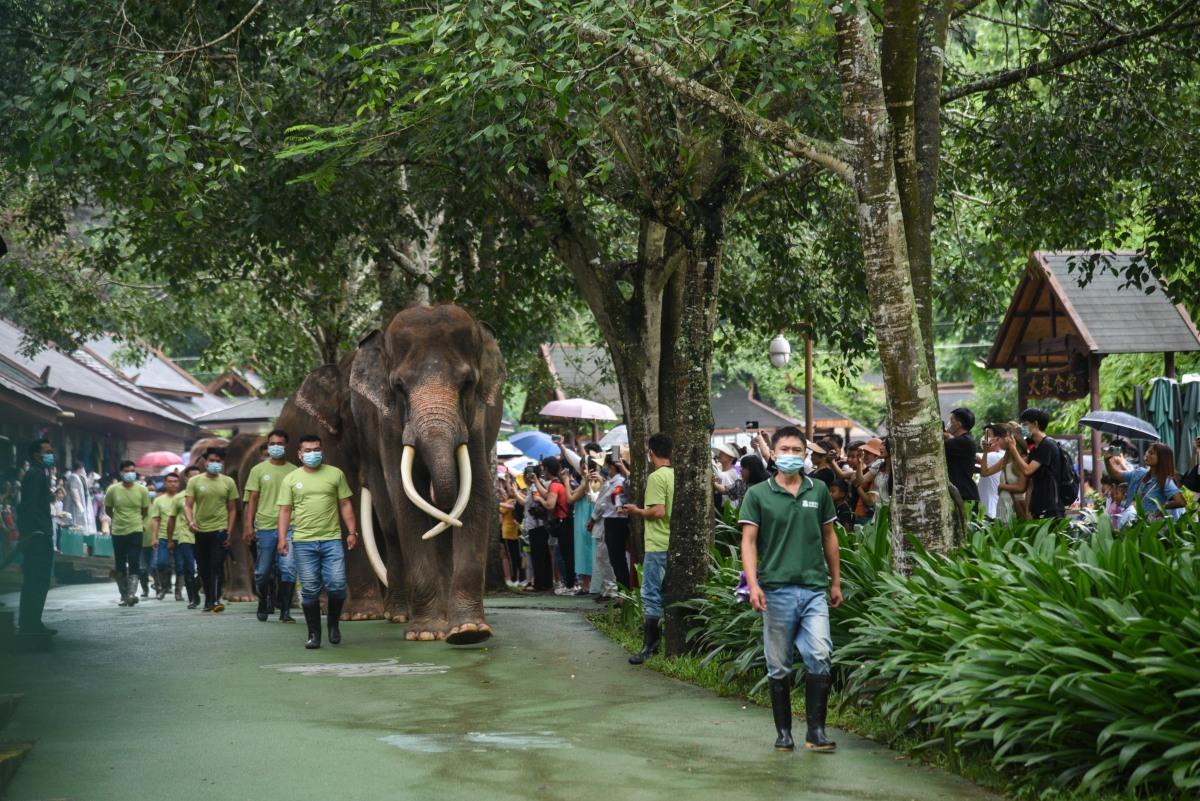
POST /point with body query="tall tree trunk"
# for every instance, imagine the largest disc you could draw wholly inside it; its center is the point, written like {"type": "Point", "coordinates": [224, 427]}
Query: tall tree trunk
{"type": "Point", "coordinates": [692, 513]}
{"type": "Point", "coordinates": [920, 503]}
{"type": "Point", "coordinates": [927, 123]}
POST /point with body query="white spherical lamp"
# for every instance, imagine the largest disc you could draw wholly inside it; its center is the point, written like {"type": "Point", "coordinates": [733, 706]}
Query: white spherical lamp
{"type": "Point", "coordinates": [781, 351]}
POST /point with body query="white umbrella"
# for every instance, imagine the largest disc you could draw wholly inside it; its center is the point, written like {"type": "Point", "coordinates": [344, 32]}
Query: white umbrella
{"type": "Point", "coordinates": [504, 448]}
{"type": "Point", "coordinates": [175, 468]}
{"type": "Point", "coordinates": [519, 464]}
{"type": "Point", "coordinates": [618, 436]}
{"type": "Point", "coordinates": [578, 409]}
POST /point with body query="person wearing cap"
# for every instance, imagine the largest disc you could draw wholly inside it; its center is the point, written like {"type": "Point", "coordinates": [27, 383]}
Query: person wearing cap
{"type": "Point", "coordinates": [961, 453]}
{"type": "Point", "coordinates": [867, 471]}
{"type": "Point", "coordinates": [791, 561]}
{"type": "Point", "coordinates": [726, 478]}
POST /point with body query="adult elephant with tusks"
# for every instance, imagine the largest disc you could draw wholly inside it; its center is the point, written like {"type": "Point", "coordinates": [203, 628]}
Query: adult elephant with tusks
{"type": "Point", "coordinates": [411, 417]}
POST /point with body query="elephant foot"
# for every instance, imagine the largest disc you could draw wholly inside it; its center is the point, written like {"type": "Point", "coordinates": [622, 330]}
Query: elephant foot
{"type": "Point", "coordinates": [239, 597]}
{"type": "Point", "coordinates": [426, 630]}
{"type": "Point", "coordinates": [364, 609]}
{"type": "Point", "coordinates": [395, 611]}
{"type": "Point", "coordinates": [469, 633]}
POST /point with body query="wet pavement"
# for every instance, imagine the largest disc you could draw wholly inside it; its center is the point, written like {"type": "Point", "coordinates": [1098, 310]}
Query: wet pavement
{"type": "Point", "coordinates": [159, 702]}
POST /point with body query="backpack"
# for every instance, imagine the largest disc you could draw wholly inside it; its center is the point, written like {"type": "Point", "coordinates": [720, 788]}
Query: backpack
{"type": "Point", "coordinates": [1066, 483]}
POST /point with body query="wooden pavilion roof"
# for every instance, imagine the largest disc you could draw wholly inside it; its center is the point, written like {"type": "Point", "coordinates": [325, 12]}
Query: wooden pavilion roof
{"type": "Point", "coordinates": [1052, 318]}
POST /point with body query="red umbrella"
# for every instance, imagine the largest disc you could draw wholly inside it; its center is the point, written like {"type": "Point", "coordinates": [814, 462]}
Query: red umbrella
{"type": "Point", "coordinates": [158, 459]}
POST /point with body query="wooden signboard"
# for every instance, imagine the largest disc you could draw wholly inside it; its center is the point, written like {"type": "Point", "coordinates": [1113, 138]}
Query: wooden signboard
{"type": "Point", "coordinates": [1064, 383]}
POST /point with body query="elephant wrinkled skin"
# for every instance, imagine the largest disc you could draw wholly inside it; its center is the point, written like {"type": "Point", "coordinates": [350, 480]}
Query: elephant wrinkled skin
{"type": "Point", "coordinates": [424, 394]}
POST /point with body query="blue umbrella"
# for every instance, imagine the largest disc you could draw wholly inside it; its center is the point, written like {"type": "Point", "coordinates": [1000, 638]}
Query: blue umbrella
{"type": "Point", "coordinates": [535, 444]}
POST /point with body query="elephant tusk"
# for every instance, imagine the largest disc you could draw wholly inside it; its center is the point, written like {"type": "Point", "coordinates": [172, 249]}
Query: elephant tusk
{"type": "Point", "coordinates": [406, 465]}
{"type": "Point", "coordinates": [464, 491]}
{"type": "Point", "coordinates": [366, 511]}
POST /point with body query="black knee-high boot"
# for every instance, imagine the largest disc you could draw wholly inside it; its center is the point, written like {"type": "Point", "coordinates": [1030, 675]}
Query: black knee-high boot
{"type": "Point", "coordinates": [816, 706]}
{"type": "Point", "coordinates": [286, 590]}
{"type": "Point", "coordinates": [781, 706]}
{"type": "Point", "coordinates": [335, 616]}
{"type": "Point", "coordinates": [264, 595]}
{"type": "Point", "coordinates": [312, 616]}
{"type": "Point", "coordinates": [651, 634]}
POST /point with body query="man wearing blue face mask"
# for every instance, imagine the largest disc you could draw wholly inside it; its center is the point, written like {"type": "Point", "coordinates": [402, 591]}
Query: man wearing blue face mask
{"type": "Point", "coordinates": [260, 518]}
{"type": "Point", "coordinates": [36, 545]}
{"type": "Point", "coordinates": [210, 505]}
{"type": "Point", "coordinates": [791, 560]}
{"type": "Point", "coordinates": [126, 502]}
{"type": "Point", "coordinates": [313, 498]}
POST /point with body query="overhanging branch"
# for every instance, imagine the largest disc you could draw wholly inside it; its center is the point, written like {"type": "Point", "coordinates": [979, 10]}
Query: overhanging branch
{"type": "Point", "coordinates": [1003, 78]}
{"type": "Point", "coordinates": [824, 154]}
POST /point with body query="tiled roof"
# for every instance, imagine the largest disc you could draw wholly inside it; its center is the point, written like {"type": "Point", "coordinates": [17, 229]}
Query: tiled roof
{"type": "Point", "coordinates": [1052, 320]}
{"type": "Point", "coordinates": [14, 384]}
{"type": "Point", "coordinates": [151, 372]}
{"type": "Point", "coordinates": [732, 408]}
{"type": "Point", "coordinates": [83, 375]}
{"type": "Point", "coordinates": [1121, 319]}
{"type": "Point", "coordinates": [254, 409]}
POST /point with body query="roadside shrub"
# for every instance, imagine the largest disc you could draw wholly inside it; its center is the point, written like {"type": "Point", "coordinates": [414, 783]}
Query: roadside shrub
{"type": "Point", "coordinates": [1077, 661]}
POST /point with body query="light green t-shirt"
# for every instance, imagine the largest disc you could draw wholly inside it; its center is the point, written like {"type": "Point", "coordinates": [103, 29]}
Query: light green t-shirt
{"type": "Point", "coordinates": [266, 478]}
{"type": "Point", "coordinates": [166, 507]}
{"type": "Point", "coordinates": [314, 500]}
{"type": "Point", "coordinates": [660, 489]}
{"type": "Point", "coordinates": [129, 504]}
{"type": "Point", "coordinates": [212, 496]}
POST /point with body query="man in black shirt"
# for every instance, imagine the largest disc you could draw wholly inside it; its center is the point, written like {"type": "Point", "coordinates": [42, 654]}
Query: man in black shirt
{"type": "Point", "coordinates": [36, 530]}
{"type": "Point", "coordinates": [1040, 465]}
{"type": "Point", "coordinates": [960, 454]}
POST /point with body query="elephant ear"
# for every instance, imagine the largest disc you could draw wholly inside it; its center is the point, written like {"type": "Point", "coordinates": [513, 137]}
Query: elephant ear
{"type": "Point", "coordinates": [317, 397]}
{"type": "Point", "coordinates": [492, 372]}
{"type": "Point", "coordinates": [368, 375]}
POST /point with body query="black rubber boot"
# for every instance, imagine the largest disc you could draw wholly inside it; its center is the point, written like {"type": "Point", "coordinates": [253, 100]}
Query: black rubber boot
{"type": "Point", "coordinates": [651, 634]}
{"type": "Point", "coordinates": [178, 586]}
{"type": "Point", "coordinates": [264, 600]}
{"type": "Point", "coordinates": [193, 592]}
{"type": "Point", "coordinates": [335, 616]}
{"type": "Point", "coordinates": [131, 593]}
{"type": "Point", "coordinates": [816, 706]}
{"type": "Point", "coordinates": [312, 616]}
{"type": "Point", "coordinates": [164, 583]}
{"type": "Point", "coordinates": [781, 706]}
{"type": "Point", "coordinates": [122, 580]}
{"type": "Point", "coordinates": [144, 578]}
{"type": "Point", "coordinates": [272, 589]}
{"type": "Point", "coordinates": [286, 590]}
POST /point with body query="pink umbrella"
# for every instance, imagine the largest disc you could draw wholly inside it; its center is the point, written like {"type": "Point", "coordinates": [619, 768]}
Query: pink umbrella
{"type": "Point", "coordinates": [158, 459]}
{"type": "Point", "coordinates": [578, 409]}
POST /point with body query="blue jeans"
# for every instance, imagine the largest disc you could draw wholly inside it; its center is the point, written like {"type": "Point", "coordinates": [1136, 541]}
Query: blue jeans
{"type": "Point", "coordinates": [162, 557]}
{"type": "Point", "coordinates": [799, 617]}
{"type": "Point", "coordinates": [268, 557]}
{"type": "Point", "coordinates": [185, 559]}
{"type": "Point", "coordinates": [654, 567]}
{"type": "Point", "coordinates": [320, 563]}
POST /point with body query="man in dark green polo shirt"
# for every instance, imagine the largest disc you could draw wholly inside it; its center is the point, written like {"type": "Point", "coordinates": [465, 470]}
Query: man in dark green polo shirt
{"type": "Point", "coordinates": [790, 557]}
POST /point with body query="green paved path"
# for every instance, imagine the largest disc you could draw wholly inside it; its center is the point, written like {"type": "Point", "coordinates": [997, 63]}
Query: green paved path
{"type": "Point", "coordinates": [157, 702]}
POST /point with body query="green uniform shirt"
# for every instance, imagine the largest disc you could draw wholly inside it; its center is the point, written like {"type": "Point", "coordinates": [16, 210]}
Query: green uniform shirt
{"type": "Point", "coordinates": [266, 479]}
{"type": "Point", "coordinates": [166, 507]}
{"type": "Point", "coordinates": [147, 534]}
{"type": "Point", "coordinates": [790, 550]}
{"type": "Point", "coordinates": [211, 509]}
{"type": "Point", "coordinates": [128, 505]}
{"type": "Point", "coordinates": [314, 500]}
{"type": "Point", "coordinates": [660, 489]}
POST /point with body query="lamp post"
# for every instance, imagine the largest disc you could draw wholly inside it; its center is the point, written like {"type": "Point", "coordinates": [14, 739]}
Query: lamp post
{"type": "Point", "coordinates": [781, 353]}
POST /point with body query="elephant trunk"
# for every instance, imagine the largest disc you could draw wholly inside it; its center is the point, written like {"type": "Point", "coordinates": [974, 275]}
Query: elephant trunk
{"type": "Point", "coordinates": [439, 437]}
